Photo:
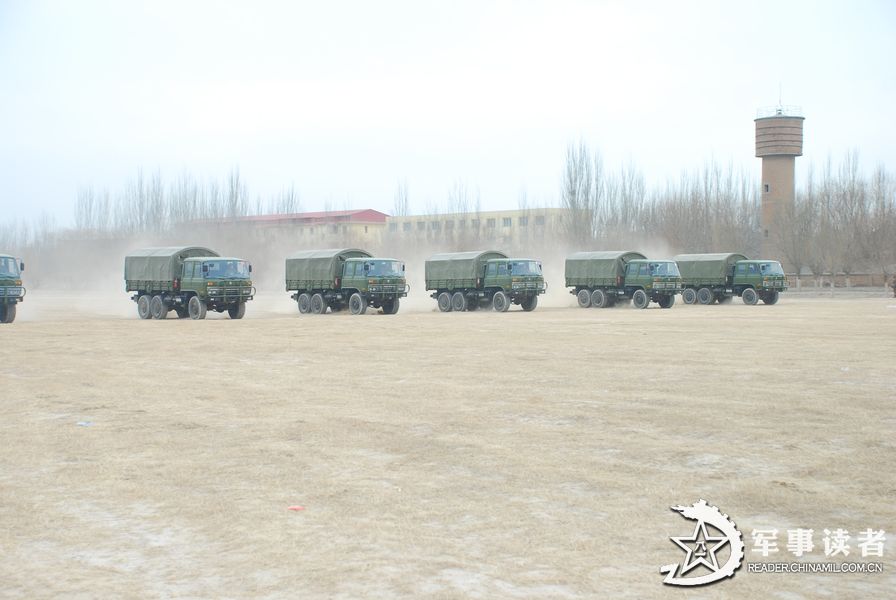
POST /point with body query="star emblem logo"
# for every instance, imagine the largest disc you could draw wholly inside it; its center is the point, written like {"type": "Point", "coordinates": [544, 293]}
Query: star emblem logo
{"type": "Point", "coordinates": [701, 549]}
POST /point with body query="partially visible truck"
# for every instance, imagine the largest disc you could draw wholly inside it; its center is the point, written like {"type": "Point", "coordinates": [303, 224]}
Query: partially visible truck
{"type": "Point", "coordinates": [11, 289]}
{"type": "Point", "coordinates": [471, 280]}
{"type": "Point", "coordinates": [345, 278]}
{"type": "Point", "coordinates": [190, 280]}
{"type": "Point", "coordinates": [601, 279]}
{"type": "Point", "coordinates": [708, 278]}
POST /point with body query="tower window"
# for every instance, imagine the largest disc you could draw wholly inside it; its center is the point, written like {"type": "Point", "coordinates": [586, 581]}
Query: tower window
{"type": "Point", "coordinates": [765, 188]}
{"type": "Point", "coordinates": [766, 233]}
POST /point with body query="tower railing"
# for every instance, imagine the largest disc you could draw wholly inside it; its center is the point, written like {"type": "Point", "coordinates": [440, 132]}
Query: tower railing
{"type": "Point", "coordinates": [780, 110]}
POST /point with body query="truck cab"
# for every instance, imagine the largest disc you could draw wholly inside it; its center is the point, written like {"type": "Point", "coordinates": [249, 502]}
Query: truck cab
{"type": "Point", "coordinates": [374, 277]}
{"type": "Point", "coordinates": [218, 280]}
{"type": "Point", "coordinates": [514, 275]}
{"type": "Point", "coordinates": [765, 277]}
{"type": "Point", "coordinates": [11, 289]}
{"type": "Point", "coordinates": [660, 276]}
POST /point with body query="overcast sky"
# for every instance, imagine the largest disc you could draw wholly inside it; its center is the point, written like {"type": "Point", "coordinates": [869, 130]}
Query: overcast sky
{"type": "Point", "coordinates": [345, 99]}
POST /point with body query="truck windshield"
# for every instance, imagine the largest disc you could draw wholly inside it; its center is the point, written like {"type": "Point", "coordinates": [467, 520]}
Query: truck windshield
{"type": "Point", "coordinates": [664, 269]}
{"type": "Point", "coordinates": [524, 267]}
{"type": "Point", "coordinates": [226, 269]}
{"type": "Point", "coordinates": [9, 267]}
{"type": "Point", "coordinates": [384, 268]}
{"type": "Point", "coordinates": [771, 268]}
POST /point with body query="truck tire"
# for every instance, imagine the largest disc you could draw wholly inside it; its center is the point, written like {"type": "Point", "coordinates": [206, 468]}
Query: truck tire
{"type": "Point", "coordinates": [7, 313]}
{"type": "Point", "coordinates": [500, 302]}
{"type": "Point", "coordinates": [143, 307]}
{"type": "Point", "coordinates": [357, 305]}
{"type": "Point", "coordinates": [390, 307]}
{"type": "Point", "coordinates": [640, 299]}
{"type": "Point", "coordinates": [529, 303]}
{"type": "Point", "coordinates": [304, 302]}
{"type": "Point", "coordinates": [157, 308]}
{"type": "Point", "coordinates": [196, 308]}
{"type": "Point", "coordinates": [238, 311]}
{"type": "Point", "coordinates": [688, 296]}
{"type": "Point", "coordinates": [458, 302]}
{"type": "Point", "coordinates": [666, 301]}
{"type": "Point", "coordinates": [318, 304]}
{"type": "Point", "coordinates": [771, 297]}
{"type": "Point", "coordinates": [598, 299]}
{"type": "Point", "coordinates": [444, 301]}
{"type": "Point", "coordinates": [704, 296]}
{"type": "Point", "coordinates": [750, 296]}
{"type": "Point", "coordinates": [584, 298]}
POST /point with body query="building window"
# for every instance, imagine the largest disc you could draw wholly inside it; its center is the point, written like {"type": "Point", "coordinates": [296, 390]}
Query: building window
{"type": "Point", "coordinates": [392, 227]}
{"type": "Point", "coordinates": [506, 222]}
{"type": "Point", "coordinates": [462, 224]}
{"type": "Point", "coordinates": [474, 223]}
{"type": "Point", "coordinates": [766, 233]}
{"type": "Point", "coordinates": [334, 228]}
{"type": "Point", "coordinates": [406, 226]}
{"type": "Point", "coordinates": [421, 225]}
{"type": "Point", "coordinates": [524, 221]}
{"type": "Point", "coordinates": [539, 220]}
{"type": "Point", "coordinates": [765, 188]}
{"type": "Point", "coordinates": [490, 223]}
{"type": "Point", "coordinates": [365, 229]}
{"type": "Point", "coordinates": [449, 224]}
{"type": "Point", "coordinates": [435, 225]}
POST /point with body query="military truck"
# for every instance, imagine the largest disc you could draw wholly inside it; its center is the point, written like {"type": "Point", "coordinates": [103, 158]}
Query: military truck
{"type": "Point", "coordinates": [345, 278]}
{"type": "Point", "coordinates": [708, 278]}
{"type": "Point", "coordinates": [11, 289]}
{"type": "Point", "coordinates": [471, 280]}
{"type": "Point", "coordinates": [601, 279]}
{"type": "Point", "coordinates": [188, 280]}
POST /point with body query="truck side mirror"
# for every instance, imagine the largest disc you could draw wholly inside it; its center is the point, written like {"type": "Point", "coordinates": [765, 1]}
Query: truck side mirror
{"type": "Point", "coordinates": [250, 268]}
{"type": "Point", "coordinates": [22, 266]}
{"type": "Point", "coordinates": [402, 267]}
{"type": "Point", "coordinates": [510, 267]}
{"type": "Point", "coordinates": [204, 269]}
{"type": "Point", "coordinates": [366, 267]}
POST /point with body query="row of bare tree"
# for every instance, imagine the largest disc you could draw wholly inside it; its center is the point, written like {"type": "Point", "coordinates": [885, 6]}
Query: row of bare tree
{"type": "Point", "coordinates": [842, 221]}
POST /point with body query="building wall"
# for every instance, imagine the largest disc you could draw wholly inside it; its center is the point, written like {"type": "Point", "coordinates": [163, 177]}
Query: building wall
{"type": "Point", "coordinates": [777, 195]}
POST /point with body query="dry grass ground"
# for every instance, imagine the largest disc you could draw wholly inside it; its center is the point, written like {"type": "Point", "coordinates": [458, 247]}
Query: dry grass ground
{"type": "Point", "coordinates": [435, 455]}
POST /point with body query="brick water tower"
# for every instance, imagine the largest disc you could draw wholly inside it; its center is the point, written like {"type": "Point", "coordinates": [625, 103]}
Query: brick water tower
{"type": "Point", "coordinates": [779, 140]}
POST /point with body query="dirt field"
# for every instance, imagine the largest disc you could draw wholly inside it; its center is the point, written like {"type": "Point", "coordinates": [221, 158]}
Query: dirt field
{"type": "Point", "coordinates": [436, 455]}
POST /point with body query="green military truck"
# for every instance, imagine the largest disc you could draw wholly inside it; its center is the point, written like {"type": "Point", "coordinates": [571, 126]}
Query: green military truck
{"type": "Point", "coordinates": [470, 280]}
{"type": "Point", "coordinates": [345, 278]}
{"type": "Point", "coordinates": [188, 280]}
{"type": "Point", "coordinates": [707, 278]}
{"type": "Point", "coordinates": [11, 289]}
{"type": "Point", "coordinates": [601, 279]}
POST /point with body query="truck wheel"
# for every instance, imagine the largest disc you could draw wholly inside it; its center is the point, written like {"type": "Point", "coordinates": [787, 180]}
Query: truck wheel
{"type": "Point", "coordinates": [704, 296]}
{"type": "Point", "coordinates": [157, 308]}
{"type": "Point", "coordinates": [304, 302]}
{"type": "Point", "coordinates": [530, 303]}
{"type": "Point", "coordinates": [390, 307]}
{"type": "Point", "coordinates": [196, 308]}
{"type": "Point", "coordinates": [318, 304]}
{"type": "Point", "coordinates": [666, 301]}
{"type": "Point", "coordinates": [238, 311]}
{"type": "Point", "coordinates": [688, 296]}
{"type": "Point", "coordinates": [357, 305]}
{"type": "Point", "coordinates": [599, 299]}
{"type": "Point", "coordinates": [458, 302]}
{"type": "Point", "coordinates": [771, 297]}
{"type": "Point", "coordinates": [444, 302]}
{"type": "Point", "coordinates": [584, 298]}
{"type": "Point", "coordinates": [7, 313]}
{"type": "Point", "coordinates": [640, 299]}
{"type": "Point", "coordinates": [500, 302]}
{"type": "Point", "coordinates": [143, 307]}
{"type": "Point", "coordinates": [750, 296]}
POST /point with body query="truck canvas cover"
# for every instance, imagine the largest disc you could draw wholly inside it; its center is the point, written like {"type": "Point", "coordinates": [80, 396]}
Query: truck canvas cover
{"type": "Point", "coordinates": [592, 268]}
{"type": "Point", "coordinates": [160, 264]}
{"type": "Point", "coordinates": [320, 265]}
{"type": "Point", "coordinates": [707, 267]}
{"type": "Point", "coordinates": [457, 266]}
